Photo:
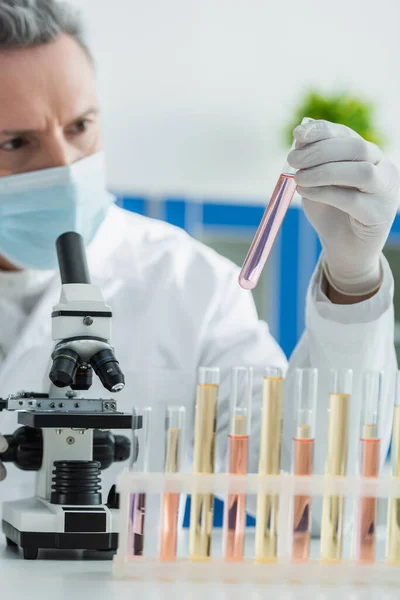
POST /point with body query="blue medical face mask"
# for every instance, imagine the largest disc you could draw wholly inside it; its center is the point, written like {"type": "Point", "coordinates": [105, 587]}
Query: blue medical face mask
{"type": "Point", "coordinates": [37, 207]}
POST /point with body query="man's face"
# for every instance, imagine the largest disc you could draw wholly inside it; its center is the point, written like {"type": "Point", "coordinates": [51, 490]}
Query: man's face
{"type": "Point", "coordinates": [48, 107]}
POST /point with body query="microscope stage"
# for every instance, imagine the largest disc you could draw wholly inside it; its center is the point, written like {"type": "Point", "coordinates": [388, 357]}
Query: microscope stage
{"type": "Point", "coordinates": [75, 420]}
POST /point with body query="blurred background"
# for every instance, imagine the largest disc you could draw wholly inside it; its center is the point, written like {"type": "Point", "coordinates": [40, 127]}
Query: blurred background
{"type": "Point", "coordinates": [198, 102]}
{"type": "Point", "coordinates": [199, 99]}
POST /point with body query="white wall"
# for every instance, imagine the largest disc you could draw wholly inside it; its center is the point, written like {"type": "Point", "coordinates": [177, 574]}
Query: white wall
{"type": "Point", "coordinates": [196, 92]}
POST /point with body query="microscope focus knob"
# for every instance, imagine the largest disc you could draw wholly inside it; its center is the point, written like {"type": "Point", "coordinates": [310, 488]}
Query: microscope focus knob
{"type": "Point", "coordinates": [76, 482]}
{"type": "Point", "coordinates": [109, 448]}
{"type": "Point", "coordinates": [25, 448]}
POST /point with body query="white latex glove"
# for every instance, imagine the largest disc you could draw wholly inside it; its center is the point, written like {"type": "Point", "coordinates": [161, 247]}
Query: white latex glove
{"type": "Point", "coordinates": [3, 448]}
{"type": "Point", "coordinates": [350, 194]}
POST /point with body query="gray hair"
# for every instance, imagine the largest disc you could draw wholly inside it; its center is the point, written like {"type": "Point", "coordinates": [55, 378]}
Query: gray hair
{"type": "Point", "coordinates": [25, 23]}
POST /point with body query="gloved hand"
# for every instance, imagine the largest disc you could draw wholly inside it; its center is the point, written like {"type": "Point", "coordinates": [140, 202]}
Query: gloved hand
{"type": "Point", "coordinates": [3, 448]}
{"type": "Point", "coordinates": [350, 194]}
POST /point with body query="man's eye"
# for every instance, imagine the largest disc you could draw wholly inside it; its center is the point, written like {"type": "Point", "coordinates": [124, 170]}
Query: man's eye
{"type": "Point", "coordinates": [14, 144]}
{"type": "Point", "coordinates": [79, 126]}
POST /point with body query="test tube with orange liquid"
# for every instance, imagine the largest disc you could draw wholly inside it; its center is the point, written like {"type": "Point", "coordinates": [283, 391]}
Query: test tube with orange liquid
{"type": "Point", "coordinates": [238, 454]}
{"type": "Point", "coordinates": [365, 531]}
{"type": "Point", "coordinates": [174, 432]}
{"type": "Point", "coordinates": [305, 399]}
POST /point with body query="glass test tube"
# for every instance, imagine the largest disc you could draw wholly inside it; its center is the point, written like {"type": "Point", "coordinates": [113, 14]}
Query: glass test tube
{"type": "Point", "coordinates": [174, 431]}
{"type": "Point", "coordinates": [202, 505]}
{"type": "Point", "coordinates": [266, 542]}
{"type": "Point", "coordinates": [365, 532]}
{"type": "Point", "coordinates": [137, 509]}
{"type": "Point", "coordinates": [393, 535]}
{"type": "Point", "coordinates": [238, 453]}
{"type": "Point", "coordinates": [306, 389]}
{"type": "Point", "coordinates": [336, 463]}
{"type": "Point", "coordinates": [270, 225]}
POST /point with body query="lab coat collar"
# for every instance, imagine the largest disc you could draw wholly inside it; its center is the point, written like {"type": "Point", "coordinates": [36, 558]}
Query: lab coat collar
{"type": "Point", "coordinates": [103, 245]}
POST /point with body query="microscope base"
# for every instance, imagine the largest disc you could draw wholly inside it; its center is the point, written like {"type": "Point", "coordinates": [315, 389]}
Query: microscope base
{"type": "Point", "coordinates": [34, 524]}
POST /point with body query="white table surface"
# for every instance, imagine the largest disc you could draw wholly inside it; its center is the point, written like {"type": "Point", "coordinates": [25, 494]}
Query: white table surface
{"type": "Point", "coordinates": [72, 576]}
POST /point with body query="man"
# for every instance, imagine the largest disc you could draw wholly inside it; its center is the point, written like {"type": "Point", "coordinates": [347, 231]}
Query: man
{"type": "Point", "coordinates": [176, 304]}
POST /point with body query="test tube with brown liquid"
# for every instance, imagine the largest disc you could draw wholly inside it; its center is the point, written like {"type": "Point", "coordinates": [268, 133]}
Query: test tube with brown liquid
{"type": "Point", "coordinates": [393, 534]}
{"type": "Point", "coordinates": [137, 509]}
{"type": "Point", "coordinates": [336, 463]}
{"type": "Point", "coordinates": [366, 515]}
{"type": "Point", "coordinates": [238, 453]}
{"type": "Point", "coordinates": [202, 505]}
{"type": "Point", "coordinates": [266, 542]}
{"type": "Point", "coordinates": [305, 399]}
{"type": "Point", "coordinates": [174, 432]}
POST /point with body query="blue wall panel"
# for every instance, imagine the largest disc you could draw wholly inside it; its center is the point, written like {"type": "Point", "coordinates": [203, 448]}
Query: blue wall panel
{"type": "Point", "coordinates": [394, 238]}
{"type": "Point", "coordinates": [307, 258]}
{"type": "Point", "coordinates": [134, 204]}
{"type": "Point", "coordinates": [175, 212]}
{"type": "Point", "coordinates": [231, 215]}
{"type": "Point", "coordinates": [288, 281]}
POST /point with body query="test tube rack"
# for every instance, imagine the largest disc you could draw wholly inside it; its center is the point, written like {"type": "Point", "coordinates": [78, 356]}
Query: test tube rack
{"type": "Point", "coordinates": [283, 569]}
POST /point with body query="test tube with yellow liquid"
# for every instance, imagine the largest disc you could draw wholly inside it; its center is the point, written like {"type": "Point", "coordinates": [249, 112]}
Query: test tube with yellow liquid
{"type": "Point", "coordinates": [336, 463]}
{"type": "Point", "coordinates": [266, 543]}
{"type": "Point", "coordinates": [202, 505]}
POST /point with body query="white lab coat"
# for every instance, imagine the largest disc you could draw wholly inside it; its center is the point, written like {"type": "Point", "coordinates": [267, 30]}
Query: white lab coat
{"type": "Point", "coordinates": [176, 306]}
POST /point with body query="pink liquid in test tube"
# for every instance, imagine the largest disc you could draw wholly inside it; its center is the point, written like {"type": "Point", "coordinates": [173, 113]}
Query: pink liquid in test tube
{"type": "Point", "coordinates": [305, 397]}
{"type": "Point", "coordinates": [269, 227]}
{"type": "Point", "coordinates": [235, 511]}
{"type": "Point", "coordinates": [267, 231]}
{"type": "Point", "coordinates": [136, 524]}
{"type": "Point", "coordinates": [366, 521]}
{"type": "Point", "coordinates": [238, 452]}
{"type": "Point", "coordinates": [137, 508]}
{"type": "Point", "coordinates": [367, 509]}
{"type": "Point", "coordinates": [174, 429]}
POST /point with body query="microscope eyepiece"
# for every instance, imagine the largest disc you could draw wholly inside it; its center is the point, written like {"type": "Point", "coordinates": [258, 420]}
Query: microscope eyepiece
{"type": "Point", "coordinates": [108, 370]}
{"type": "Point", "coordinates": [65, 364]}
{"type": "Point", "coordinates": [72, 258]}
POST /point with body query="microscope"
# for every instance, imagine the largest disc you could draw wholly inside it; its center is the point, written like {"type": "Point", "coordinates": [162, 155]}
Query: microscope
{"type": "Point", "coordinates": [65, 437]}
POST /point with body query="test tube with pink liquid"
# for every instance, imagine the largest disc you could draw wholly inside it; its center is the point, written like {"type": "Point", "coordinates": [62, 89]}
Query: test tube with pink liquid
{"type": "Point", "coordinates": [270, 225]}
{"type": "Point", "coordinates": [238, 453]}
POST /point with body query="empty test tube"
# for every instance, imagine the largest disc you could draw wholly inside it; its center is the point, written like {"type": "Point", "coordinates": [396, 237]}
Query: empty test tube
{"type": "Point", "coordinates": [365, 531]}
{"type": "Point", "coordinates": [202, 505]}
{"type": "Point", "coordinates": [270, 225]}
{"type": "Point", "coordinates": [305, 401]}
{"type": "Point", "coordinates": [174, 432]}
{"type": "Point", "coordinates": [393, 535]}
{"type": "Point", "coordinates": [266, 542]}
{"type": "Point", "coordinates": [336, 463]}
{"type": "Point", "coordinates": [137, 510]}
{"type": "Point", "coordinates": [238, 453]}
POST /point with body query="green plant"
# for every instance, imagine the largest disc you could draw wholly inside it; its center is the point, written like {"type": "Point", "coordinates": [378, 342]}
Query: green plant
{"type": "Point", "coordinates": [343, 107]}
